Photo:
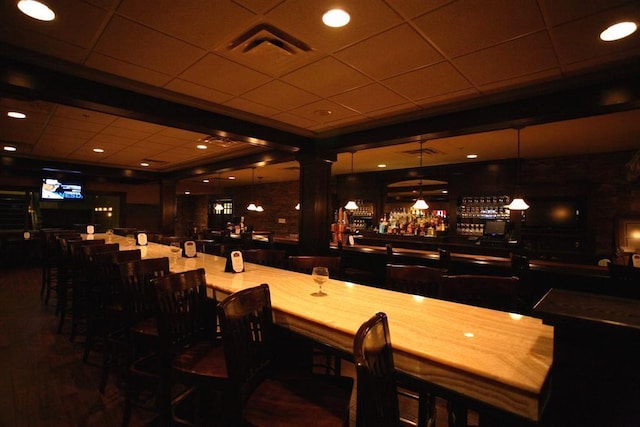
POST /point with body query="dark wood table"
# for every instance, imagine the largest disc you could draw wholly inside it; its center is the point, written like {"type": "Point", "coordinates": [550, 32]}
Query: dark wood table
{"type": "Point", "coordinates": [596, 358]}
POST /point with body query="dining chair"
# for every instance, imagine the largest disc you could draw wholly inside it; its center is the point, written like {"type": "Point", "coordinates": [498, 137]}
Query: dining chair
{"type": "Point", "coordinates": [270, 257]}
{"type": "Point", "coordinates": [141, 329]}
{"type": "Point", "coordinates": [258, 395]}
{"type": "Point", "coordinates": [75, 276]}
{"type": "Point", "coordinates": [106, 323]}
{"type": "Point", "coordinates": [190, 348]}
{"type": "Point", "coordinates": [414, 279]}
{"type": "Point", "coordinates": [495, 292]}
{"type": "Point", "coordinates": [377, 390]}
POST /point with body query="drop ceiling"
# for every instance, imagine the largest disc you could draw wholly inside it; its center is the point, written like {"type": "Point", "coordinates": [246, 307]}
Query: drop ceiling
{"type": "Point", "coordinates": [273, 64]}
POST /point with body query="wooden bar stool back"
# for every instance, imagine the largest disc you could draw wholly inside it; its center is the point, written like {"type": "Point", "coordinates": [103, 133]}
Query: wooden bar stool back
{"type": "Point", "coordinates": [305, 264]}
{"type": "Point", "coordinates": [414, 279]}
{"type": "Point", "coordinates": [258, 396]}
{"type": "Point", "coordinates": [495, 292]}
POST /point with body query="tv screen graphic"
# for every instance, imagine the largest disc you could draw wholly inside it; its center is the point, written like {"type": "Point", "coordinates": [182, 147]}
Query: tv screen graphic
{"type": "Point", "coordinates": [52, 189]}
{"type": "Point", "coordinates": [495, 228]}
{"type": "Point", "coordinates": [555, 214]}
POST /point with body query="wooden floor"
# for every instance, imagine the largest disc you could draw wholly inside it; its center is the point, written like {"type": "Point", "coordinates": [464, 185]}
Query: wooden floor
{"type": "Point", "coordinates": [44, 381]}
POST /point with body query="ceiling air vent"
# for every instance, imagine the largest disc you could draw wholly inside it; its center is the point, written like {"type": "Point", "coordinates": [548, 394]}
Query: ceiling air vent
{"type": "Point", "coordinates": [425, 151]}
{"type": "Point", "coordinates": [265, 40]}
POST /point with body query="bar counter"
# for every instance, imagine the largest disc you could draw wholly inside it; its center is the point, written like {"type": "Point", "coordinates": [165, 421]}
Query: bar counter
{"type": "Point", "coordinates": [488, 357]}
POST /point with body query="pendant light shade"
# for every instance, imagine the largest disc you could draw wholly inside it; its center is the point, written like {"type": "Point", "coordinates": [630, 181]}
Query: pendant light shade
{"type": "Point", "coordinates": [351, 204]}
{"type": "Point", "coordinates": [518, 203]}
{"type": "Point", "coordinates": [420, 203]}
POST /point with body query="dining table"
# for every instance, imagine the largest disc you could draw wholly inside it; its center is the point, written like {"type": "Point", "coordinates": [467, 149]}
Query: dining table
{"type": "Point", "coordinates": [489, 358]}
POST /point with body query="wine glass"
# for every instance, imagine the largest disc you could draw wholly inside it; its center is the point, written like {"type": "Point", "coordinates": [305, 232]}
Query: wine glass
{"type": "Point", "coordinates": [175, 250]}
{"type": "Point", "coordinates": [319, 275]}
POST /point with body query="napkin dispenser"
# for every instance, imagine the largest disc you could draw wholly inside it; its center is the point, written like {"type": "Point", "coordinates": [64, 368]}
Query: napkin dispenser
{"type": "Point", "coordinates": [189, 249]}
{"type": "Point", "coordinates": [141, 239]}
{"type": "Point", "coordinates": [235, 262]}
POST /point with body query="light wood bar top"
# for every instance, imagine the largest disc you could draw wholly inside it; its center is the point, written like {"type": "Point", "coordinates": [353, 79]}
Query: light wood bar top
{"type": "Point", "coordinates": [494, 357]}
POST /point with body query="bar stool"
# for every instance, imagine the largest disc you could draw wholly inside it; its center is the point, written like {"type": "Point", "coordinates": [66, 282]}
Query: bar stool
{"type": "Point", "coordinates": [305, 264]}
{"type": "Point", "coordinates": [495, 292]}
{"type": "Point", "coordinates": [270, 257]}
{"type": "Point", "coordinates": [414, 279]}
{"type": "Point", "coordinates": [377, 388]}
{"type": "Point", "coordinates": [257, 396]}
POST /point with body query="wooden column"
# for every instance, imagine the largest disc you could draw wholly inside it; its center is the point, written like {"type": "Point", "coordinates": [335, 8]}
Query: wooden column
{"type": "Point", "coordinates": [315, 208]}
{"type": "Point", "coordinates": [168, 206]}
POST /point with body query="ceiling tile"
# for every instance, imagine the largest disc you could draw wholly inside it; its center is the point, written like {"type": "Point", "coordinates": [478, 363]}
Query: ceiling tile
{"type": "Point", "coordinates": [413, 8]}
{"type": "Point", "coordinates": [318, 111]}
{"type": "Point", "coordinates": [137, 125]}
{"type": "Point", "coordinates": [469, 25]}
{"type": "Point", "coordinates": [326, 77]}
{"type": "Point", "coordinates": [579, 40]}
{"type": "Point", "coordinates": [369, 98]}
{"type": "Point", "coordinates": [126, 69]}
{"type": "Point", "coordinates": [84, 115]}
{"type": "Point", "coordinates": [393, 52]}
{"type": "Point", "coordinates": [280, 95]}
{"type": "Point", "coordinates": [539, 77]}
{"type": "Point", "coordinates": [126, 134]}
{"type": "Point", "coordinates": [197, 91]}
{"type": "Point", "coordinates": [251, 107]}
{"type": "Point", "coordinates": [76, 134]}
{"type": "Point", "coordinates": [41, 43]}
{"type": "Point", "coordinates": [258, 6]}
{"type": "Point", "coordinates": [428, 82]}
{"type": "Point", "coordinates": [482, 68]}
{"type": "Point", "coordinates": [303, 20]}
{"type": "Point", "coordinates": [219, 73]}
{"type": "Point", "coordinates": [294, 120]}
{"type": "Point", "coordinates": [133, 43]}
{"type": "Point", "coordinates": [77, 23]}
{"type": "Point", "coordinates": [560, 12]}
{"type": "Point", "coordinates": [203, 23]}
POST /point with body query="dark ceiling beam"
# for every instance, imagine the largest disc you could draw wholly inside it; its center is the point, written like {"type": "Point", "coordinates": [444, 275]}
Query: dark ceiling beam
{"type": "Point", "coordinates": [606, 91]}
{"type": "Point", "coordinates": [41, 168]}
{"type": "Point", "coordinates": [27, 80]}
{"type": "Point", "coordinates": [245, 162]}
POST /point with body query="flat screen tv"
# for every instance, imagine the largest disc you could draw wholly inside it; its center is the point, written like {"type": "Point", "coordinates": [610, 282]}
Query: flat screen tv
{"type": "Point", "coordinates": [555, 214]}
{"type": "Point", "coordinates": [495, 229]}
{"type": "Point", "coordinates": [53, 189]}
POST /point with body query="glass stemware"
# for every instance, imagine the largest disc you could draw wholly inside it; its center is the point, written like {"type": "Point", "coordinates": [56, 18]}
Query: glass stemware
{"type": "Point", "coordinates": [320, 276]}
{"type": "Point", "coordinates": [175, 250]}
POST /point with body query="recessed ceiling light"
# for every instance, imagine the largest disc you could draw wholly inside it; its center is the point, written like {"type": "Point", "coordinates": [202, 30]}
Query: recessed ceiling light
{"type": "Point", "coordinates": [618, 31]}
{"type": "Point", "coordinates": [323, 112]}
{"type": "Point", "coordinates": [445, 191]}
{"type": "Point", "coordinates": [16, 115]}
{"type": "Point", "coordinates": [145, 164]}
{"type": "Point", "coordinates": [10, 148]}
{"type": "Point", "coordinates": [472, 156]}
{"type": "Point", "coordinates": [205, 180]}
{"type": "Point", "coordinates": [98, 150]}
{"type": "Point", "coordinates": [382, 165]}
{"type": "Point", "coordinates": [36, 10]}
{"type": "Point", "coordinates": [232, 177]}
{"type": "Point", "coordinates": [336, 18]}
{"type": "Point", "coordinates": [201, 147]}
{"type": "Point", "coordinates": [187, 192]}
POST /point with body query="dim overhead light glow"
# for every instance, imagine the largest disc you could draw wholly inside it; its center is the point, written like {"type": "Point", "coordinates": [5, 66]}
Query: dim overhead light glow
{"type": "Point", "coordinates": [201, 147]}
{"type": "Point", "coordinates": [618, 31]}
{"type": "Point", "coordinates": [36, 10]}
{"type": "Point", "coordinates": [336, 18]}
{"type": "Point", "coordinates": [205, 180]}
{"type": "Point", "coordinates": [98, 150]}
{"type": "Point", "coordinates": [382, 165]}
{"type": "Point", "coordinates": [16, 115]}
{"type": "Point", "coordinates": [252, 207]}
{"type": "Point", "coordinates": [10, 148]}
{"type": "Point", "coordinates": [472, 156]}
{"type": "Point", "coordinates": [145, 164]}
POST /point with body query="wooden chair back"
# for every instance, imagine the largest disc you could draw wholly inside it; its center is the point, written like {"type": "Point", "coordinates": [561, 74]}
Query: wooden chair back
{"type": "Point", "coordinates": [185, 314]}
{"type": "Point", "coordinates": [269, 257]}
{"type": "Point", "coordinates": [377, 392]}
{"type": "Point", "coordinates": [495, 292]}
{"type": "Point", "coordinates": [305, 264]}
{"type": "Point", "coordinates": [246, 325]}
{"type": "Point", "coordinates": [414, 279]}
{"type": "Point", "coordinates": [138, 294]}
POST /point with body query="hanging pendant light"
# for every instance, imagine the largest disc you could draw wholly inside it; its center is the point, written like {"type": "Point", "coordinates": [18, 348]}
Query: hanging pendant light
{"type": "Point", "coordinates": [420, 203]}
{"type": "Point", "coordinates": [351, 204]}
{"type": "Point", "coordinates": [252, 206]}
{"type": "Point", "coordinates": [218, 206]}
{"type": "Point", "coordinates": [259, 207]}
{"type": "Point", "coordinates": [518, 203]}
